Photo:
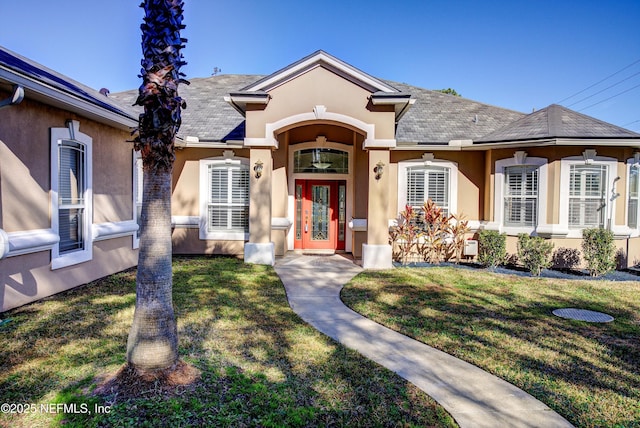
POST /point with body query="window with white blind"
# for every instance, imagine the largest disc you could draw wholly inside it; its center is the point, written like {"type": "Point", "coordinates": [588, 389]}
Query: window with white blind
{"type": "Point", "coordinates": [225, 199]}
{"type": "Point", "coordinates": [634, 185]}
{"type": "Point", "coordinates": [520, 198]}
{"type": "Point", "coordinates": [229, 198]}
{"type": "Point", "coordinates": [428, 182]}
{"type": "Point", "coordinates": [521, 195]}
{"type": "Point", "coordinates": [428, 178]}
{"type": "Point", "coordinates": [71, 189]}
{"type": "Point", "coordinates": [71, 196]}
{"type": "Point", "coordinates": [587, 195]}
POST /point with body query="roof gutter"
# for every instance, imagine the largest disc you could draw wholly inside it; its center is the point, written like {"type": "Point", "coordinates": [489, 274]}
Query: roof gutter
{"type": "Point", "coordinates": [401, 102]}
{"type": "Point", "coordinates": [55, 97]}
{"type": "Point", "coordinates": [240, 100]}
{"type": "Point", "coordinates": [468, 145]}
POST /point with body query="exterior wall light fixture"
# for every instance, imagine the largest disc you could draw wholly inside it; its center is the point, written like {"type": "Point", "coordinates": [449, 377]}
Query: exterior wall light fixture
{"type": "Point", "coordinates": [258, 168]}
{"type": "Point", "coordinates": [379, 169]}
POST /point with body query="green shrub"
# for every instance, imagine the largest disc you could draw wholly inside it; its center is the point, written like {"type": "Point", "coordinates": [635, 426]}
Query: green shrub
{"type": "Point", "coordinates": [598, 250]}
{"type": "Point", "coordinates": [534, 253]}
{"type": "Point", "coordinates": [566, 258]}
{"type": "Point", "coordinates": [493, 248]}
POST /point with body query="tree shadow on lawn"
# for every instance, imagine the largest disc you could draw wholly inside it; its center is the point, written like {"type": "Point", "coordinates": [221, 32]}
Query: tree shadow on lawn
{"type": "Point", "coordinates": [486, 320]}
{"type": "Point", "coordinates": [62, 336]}
{"type": "Point", "coordinates": [260, 364]}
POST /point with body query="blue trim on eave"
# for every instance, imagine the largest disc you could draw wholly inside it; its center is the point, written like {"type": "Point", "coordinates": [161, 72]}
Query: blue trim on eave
{"type": "Point", "coordinates": [42, 75]}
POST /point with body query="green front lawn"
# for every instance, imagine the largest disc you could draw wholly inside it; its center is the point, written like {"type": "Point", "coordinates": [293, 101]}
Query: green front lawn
{"type": "Point", "coordinates": [260, 364]}
{"type": "Point", "coordinates": [589, 373]}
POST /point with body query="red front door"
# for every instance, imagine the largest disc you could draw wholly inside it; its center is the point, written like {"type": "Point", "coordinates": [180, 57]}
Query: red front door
{"type": "Point", "coordinates": [320, 215]}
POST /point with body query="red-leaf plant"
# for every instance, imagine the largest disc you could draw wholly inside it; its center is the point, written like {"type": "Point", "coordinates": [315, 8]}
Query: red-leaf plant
{"type": "Point", "coordinates": [406, 234]}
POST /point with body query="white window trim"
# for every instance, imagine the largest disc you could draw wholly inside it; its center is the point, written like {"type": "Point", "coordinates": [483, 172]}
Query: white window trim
{"type": "Point", "coordinates": [227, 159]}
{"type": "Point", "coordinates": [72, 133]}
{"type": "Point", "coordinates": [137, 174]}
{"type": "Point", "coordinates": [426, 162]}
{"type": "Point", "coordinates": [633, 232]}
{"type": "Point", "coordinates": [565, 167]}
{"type": "Point", "coordinates": [499, 194]}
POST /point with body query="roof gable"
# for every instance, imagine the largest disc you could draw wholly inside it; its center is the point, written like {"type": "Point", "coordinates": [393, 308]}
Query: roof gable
{"type": "Point", "coordinates": [556, 121]}
{"type": "Point", "coordinates": [320, 59]}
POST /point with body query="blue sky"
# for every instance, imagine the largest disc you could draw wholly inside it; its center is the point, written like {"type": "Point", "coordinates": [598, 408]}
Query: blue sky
{"type": "Point", "coordinates": [514, 54]}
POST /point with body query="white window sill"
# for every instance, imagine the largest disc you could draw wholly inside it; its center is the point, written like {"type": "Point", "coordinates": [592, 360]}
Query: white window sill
{"type": "Point", "coordinates": [224, 236]}
{"type": "Point", "coordinates": [71, 259]}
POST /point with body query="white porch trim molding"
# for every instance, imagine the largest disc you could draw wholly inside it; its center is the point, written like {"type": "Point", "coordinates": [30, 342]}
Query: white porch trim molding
{"type": "Point", "coordinates": [32, 241]}
{"type": "Point", "coordinates": [115, 229]}
{"type": "Point", "coordinates": [320, 113]}
{"type": "Point", "coordinates": [25, 242]}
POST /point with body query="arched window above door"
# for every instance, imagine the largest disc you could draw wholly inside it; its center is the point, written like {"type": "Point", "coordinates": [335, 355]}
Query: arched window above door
{"type": "Point", "coordinates": [321, 161]}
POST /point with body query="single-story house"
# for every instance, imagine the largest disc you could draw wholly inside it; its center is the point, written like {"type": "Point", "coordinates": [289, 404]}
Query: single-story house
{"type": "Point", "coordinates": [321, 156]}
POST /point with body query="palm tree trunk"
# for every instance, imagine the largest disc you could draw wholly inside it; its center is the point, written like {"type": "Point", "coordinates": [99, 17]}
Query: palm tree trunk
{"type": "Point", "coordinates": [153, 339]}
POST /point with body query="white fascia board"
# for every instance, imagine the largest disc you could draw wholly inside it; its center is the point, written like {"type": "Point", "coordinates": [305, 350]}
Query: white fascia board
{"type": "Point", "coordinates": [61, 99]}
{"type": "Point", "coordinates": [597, 142]}
{"type": "Point", "coordinates": [196, 143]}
{"type": "Point", "coordinates": [378, 143]}
{"type": "Point", "coordinates": [460, 143]}
{"type": "Point", "coordinates": [430, 148]}
{"type": "Point", "coordinates": [261, 142]}
{"type": "Point", "coordinates": [382, 101]}
{"type": "Point", "coordinates": [249, 99]}
{"type": "Point", "coordinates": [311, 63]}
{"type": "Point", "coordinates": [511, 145]}
{"type": "Point", "coordinates": [401, 104]}
{"type": "Point", "coordinates": [556, 142]}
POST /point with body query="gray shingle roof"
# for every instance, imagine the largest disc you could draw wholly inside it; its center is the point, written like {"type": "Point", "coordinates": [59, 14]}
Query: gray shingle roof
{"type": "Point", "coordinates": [437, 118]}
{"type": "Point", "coordinates": [557, 121]}
{"type": "Point", "coordinates": [207, 116]}
{"type": "Point", "coordinates": [434, 118]}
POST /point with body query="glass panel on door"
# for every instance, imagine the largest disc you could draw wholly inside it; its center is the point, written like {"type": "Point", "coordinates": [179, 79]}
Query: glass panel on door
{"type": "Point", "coordinates": [320, 219]}
{"type": "Point", "coordinates": [342, 211]}
{"type": "Point", "coordinates": [298, 211]}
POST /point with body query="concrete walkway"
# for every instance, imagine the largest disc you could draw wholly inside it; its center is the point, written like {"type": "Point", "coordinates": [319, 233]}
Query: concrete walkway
{"type": "Point", "coordinates": [472, 396]}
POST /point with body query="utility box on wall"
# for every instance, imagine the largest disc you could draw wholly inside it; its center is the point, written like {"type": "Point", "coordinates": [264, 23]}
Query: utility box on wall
{"type": "Point", "coordinates": [470, 248]}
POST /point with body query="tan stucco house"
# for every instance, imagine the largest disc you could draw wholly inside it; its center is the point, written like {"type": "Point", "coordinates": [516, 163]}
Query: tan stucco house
{"type": "Point", "coordinates": [318, 156]}
{"type": "Point", "coordinates": [67, 202]}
